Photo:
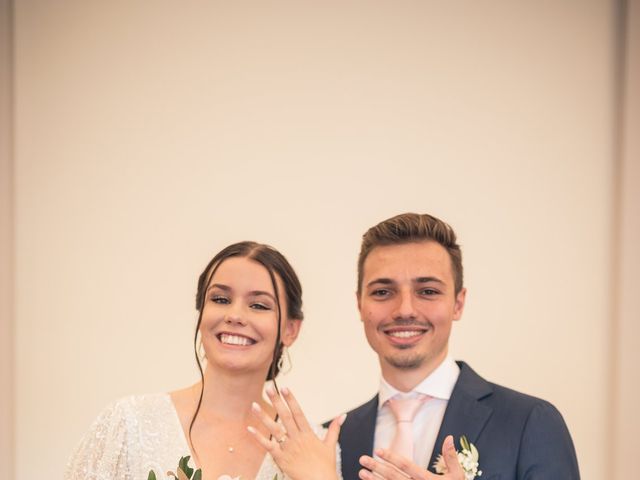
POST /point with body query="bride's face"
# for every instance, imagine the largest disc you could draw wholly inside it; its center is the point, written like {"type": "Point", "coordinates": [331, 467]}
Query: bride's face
{"type": "Point", "coordinates": [240, 315]}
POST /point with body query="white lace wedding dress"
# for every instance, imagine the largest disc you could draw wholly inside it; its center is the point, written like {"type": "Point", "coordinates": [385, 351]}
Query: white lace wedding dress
{"type": "Point", "coordinates": [137, 434]}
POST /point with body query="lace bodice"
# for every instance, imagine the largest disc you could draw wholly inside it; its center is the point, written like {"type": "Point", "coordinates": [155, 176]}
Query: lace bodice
{"type": "Point", "coordinates": [137, 434]}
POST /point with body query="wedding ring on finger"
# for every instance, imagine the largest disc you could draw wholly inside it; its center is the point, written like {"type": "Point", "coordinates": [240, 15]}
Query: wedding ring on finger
{"type": "Point", "coordinates": [282, 439]}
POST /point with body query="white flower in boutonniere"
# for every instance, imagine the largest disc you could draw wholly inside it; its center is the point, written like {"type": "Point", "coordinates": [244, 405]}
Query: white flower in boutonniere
{"type": "Point", "coordinates": [468, 458]}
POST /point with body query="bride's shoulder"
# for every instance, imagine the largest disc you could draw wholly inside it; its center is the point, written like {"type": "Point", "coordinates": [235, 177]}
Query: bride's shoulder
{"type": "Point", "coordinates": [133, 406]}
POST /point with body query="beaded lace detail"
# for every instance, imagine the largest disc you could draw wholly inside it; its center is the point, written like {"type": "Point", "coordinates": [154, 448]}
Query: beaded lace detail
{"type": "Point", "coordinates": [136, 434]}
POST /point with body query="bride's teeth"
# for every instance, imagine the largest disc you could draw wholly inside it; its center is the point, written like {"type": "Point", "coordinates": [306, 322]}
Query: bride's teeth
{"type": "Point", "coordinates": [405, 333]}
{"type": "Point", "coordinates": [234, 340]}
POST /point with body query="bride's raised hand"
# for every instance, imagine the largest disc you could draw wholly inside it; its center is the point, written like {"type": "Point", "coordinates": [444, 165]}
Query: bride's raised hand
{"type": "Point", "coordinates": [293, 444]}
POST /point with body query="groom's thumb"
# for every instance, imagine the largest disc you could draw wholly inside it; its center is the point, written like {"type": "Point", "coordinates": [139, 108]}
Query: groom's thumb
{"type": "Point", "coordinates": [334, 429]}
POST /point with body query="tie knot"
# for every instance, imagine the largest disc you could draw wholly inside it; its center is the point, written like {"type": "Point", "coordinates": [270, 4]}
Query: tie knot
{"type": "Point", "coordinates": [404, 409]}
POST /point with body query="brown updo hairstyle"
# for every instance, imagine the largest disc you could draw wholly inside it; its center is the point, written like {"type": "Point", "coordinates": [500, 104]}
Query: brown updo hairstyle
{"type": "Point", "coordinates": [276, 264]}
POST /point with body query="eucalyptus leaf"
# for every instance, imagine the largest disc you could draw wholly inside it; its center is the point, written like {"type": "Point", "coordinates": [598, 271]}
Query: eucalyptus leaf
{"type": "Point", "coordinates": [152, 475]}
{"type": "Point", "coordinates": [197, 475]}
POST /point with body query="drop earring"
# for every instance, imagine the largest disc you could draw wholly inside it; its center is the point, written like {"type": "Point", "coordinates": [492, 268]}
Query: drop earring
{"type": "Point", "coordinates": [202, 354]}
{"type": "Point", "coordinates": [282, 360]}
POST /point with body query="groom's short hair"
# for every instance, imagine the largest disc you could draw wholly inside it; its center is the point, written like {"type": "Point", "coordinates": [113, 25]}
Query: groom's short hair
{"type": "Point", "coordinates": [410, 228]}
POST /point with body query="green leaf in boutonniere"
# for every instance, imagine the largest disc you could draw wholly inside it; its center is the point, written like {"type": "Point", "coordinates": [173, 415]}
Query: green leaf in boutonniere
{"type": "Point", "coordinates": [468, 458]}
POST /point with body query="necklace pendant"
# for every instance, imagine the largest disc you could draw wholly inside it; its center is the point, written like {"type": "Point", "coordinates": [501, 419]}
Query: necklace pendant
{"type": "Point", "coordinates": [230, 449]}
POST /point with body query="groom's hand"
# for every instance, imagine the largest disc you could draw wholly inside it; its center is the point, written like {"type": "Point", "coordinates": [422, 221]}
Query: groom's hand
{"type": "Point", "coordinates": [392, 466]}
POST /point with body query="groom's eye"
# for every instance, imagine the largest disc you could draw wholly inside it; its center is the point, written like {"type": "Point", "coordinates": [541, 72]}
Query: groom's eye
{"type": "Point", "coordinates": [428, 291]}
{"type": "Point", "coordinates": [380, 292]}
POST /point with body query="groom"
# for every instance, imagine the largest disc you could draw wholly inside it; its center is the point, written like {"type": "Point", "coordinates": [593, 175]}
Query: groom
{"type": "Point", "coordinates": [410, 290]}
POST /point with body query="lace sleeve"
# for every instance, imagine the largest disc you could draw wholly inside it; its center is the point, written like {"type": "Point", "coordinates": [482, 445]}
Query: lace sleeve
{"type": "Point", "coordinates": [103, 452]}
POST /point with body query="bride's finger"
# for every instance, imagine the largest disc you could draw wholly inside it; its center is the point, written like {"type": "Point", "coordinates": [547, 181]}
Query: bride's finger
{"type": "Point", "coordinates": [283, 412]}
{"type": "Point", "coordinates": [270, 446]}
{"type": "Point", "coordinates": [296, 410]}
{"type": "Point", "coordinates": [276, 430]}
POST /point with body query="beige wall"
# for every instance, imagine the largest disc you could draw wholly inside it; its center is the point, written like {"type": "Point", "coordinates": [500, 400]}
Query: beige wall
{"type": "Point", "coordinates": [148, 137]}
{"type": "Point", "coordinates": [627, 345]}
{"type": "Point", "coordinates": [6, 244]}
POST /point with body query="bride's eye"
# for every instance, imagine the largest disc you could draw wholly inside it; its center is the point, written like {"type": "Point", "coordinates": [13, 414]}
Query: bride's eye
{"type": "Point", "coordinates": [220, 299]}
{"type": "Point", "coordinates": [260, 306]}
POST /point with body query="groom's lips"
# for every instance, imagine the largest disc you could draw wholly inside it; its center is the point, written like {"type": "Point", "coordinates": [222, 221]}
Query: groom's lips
{"type": "Point", "coordinates": [405, 335]}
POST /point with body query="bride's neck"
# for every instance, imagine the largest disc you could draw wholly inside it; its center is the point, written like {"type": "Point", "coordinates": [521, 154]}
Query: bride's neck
{"type": "Point", "coordinates": [230, 394]}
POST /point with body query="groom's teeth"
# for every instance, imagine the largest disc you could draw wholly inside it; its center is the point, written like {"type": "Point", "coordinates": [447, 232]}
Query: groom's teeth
{"type": "Point", "coordinates": [405, 333]}
{"type": "Point", "coordinates": [235, 339]}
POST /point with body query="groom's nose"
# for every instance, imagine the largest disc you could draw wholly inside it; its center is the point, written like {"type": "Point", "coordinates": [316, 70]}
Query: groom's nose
{"type": "Point", "coordinates": [405, 306]}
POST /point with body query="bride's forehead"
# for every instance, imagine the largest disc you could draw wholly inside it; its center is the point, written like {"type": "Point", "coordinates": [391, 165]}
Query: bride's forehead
{"type": "Point", "coordinates": [244, 271]}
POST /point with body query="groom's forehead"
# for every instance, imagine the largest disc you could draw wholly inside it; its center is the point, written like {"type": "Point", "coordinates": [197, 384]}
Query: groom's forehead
{"type": "Point", "coordinates": [419, 259]}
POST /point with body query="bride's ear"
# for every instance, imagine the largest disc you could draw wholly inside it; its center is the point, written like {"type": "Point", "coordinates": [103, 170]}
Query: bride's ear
{"type": "Point", "coordinates": [290, 331]}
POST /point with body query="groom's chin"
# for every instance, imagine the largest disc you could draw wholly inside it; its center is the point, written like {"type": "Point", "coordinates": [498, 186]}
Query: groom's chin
{"type": "Point", "coordinates": [408, 361]}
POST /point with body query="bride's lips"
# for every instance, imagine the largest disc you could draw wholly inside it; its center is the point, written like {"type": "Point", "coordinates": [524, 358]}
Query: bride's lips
{"type": "Point", "coordinates": [232, 339]}
{"type": "Point", "coordinates": [405, 335]}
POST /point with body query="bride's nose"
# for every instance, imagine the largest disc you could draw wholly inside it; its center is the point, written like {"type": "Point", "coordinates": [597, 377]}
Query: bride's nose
{"type": "Point", "coordinates": [234, 318]}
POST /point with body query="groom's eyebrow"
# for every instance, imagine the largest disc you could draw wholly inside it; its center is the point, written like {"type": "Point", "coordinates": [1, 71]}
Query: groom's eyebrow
{"type": "Point", "coordinates": [381, 281]}
{"type": "Point", "coordinates": [428, 279]}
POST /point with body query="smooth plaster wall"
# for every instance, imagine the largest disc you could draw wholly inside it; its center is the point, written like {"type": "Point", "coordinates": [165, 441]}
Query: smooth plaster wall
{"type": "Point", "coordinates": [150, 135]}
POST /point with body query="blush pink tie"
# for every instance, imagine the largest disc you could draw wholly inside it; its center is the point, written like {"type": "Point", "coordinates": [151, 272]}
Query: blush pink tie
{"type": "Point", "coordinates": [404, 409]}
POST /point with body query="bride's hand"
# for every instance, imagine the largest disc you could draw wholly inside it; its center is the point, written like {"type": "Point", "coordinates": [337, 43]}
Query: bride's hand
{"type": "Point", "coordinates": [294, 446]}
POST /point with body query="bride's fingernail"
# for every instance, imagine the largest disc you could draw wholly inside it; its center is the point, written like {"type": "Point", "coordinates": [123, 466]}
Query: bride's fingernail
{"type": "Point", "coordinates": [251, 429]}
{"type": "Point", "coordinates": [285, 390]}
{"type": "Point", "coordinates": [255, 407]}
{"type": "Point", "coordinates": [342, 418]}
{"type": "Point", "coordinates": [271, 391]}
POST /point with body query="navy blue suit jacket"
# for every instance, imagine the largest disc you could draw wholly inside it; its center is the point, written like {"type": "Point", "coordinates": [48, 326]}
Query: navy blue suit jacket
{"type": "Point", "coordinates": [518, 437]}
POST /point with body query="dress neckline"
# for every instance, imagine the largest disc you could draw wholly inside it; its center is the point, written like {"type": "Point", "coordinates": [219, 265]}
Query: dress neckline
{"type": "Point", "coordinates": [187, 448]}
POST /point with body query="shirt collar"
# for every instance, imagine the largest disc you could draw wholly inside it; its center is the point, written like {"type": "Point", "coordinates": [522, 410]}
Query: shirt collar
{"type": "Point", "coordinates": [437, 385]}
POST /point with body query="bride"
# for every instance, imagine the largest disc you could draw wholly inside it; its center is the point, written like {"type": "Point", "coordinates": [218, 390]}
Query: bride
{"type": "Point", "coordinates": [249, 301]}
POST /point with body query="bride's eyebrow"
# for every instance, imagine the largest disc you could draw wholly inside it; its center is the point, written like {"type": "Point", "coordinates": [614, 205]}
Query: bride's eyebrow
{"type": "Point", "coordinates": [256, 293]}
{"type": "Point", "coordinates": [221, 286]}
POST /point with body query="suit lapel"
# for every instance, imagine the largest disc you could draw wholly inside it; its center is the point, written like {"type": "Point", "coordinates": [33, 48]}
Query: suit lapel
{"type": "Point", "coordinates": [356, 437]}
{"type": "Point", "coordinates": [465, 414]}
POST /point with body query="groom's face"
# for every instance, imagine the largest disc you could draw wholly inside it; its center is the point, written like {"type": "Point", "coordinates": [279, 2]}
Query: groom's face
{"type": "Point", "coordinates": [407, 305]}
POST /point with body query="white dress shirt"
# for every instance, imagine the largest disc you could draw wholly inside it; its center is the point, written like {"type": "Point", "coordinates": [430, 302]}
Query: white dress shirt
{"type": "Point", "coordinates": [427, 420]}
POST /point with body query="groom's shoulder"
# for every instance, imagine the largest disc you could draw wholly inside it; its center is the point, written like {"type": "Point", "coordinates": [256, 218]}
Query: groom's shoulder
{"type": "Point", "coordinates": [499, 397]}
{"type": "Point", "coordinates": [359, 413]}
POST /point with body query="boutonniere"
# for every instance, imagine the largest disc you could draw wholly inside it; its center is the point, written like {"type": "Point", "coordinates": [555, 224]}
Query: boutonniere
{"type": "Point", "coordinates": [184, 472]}
{"type": "Point", "coordinates": [468, 458]}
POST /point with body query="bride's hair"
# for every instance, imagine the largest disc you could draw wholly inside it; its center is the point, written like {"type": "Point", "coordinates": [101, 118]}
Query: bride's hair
{"type": "Point", "coordinates": [276, 264]}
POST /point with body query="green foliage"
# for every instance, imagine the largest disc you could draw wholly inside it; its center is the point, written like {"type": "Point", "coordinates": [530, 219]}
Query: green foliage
{"type": "Point", "coordinates": [183, 466]}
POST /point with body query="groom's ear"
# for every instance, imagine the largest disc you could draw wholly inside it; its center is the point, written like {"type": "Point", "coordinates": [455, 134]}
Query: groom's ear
{"type": "Point", "coordinates": [359, 304]}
